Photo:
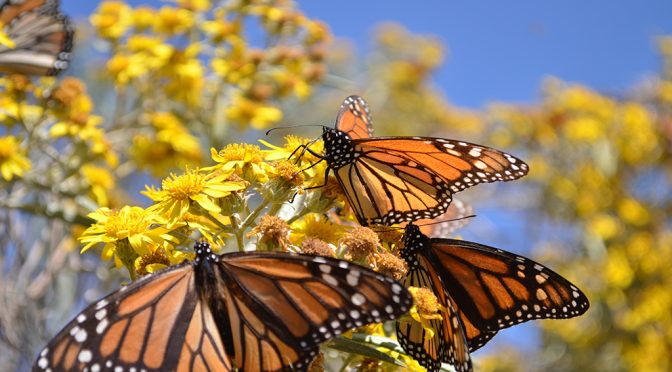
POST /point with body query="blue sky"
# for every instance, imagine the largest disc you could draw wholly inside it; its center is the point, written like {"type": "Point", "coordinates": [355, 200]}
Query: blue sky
{"type": "Point", "coordinates": [501, 51]}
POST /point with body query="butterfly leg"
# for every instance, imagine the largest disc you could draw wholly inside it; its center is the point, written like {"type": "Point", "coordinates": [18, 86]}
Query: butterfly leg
{"type": "Point", "coordinates": [305, 148]}
{"type": "Point", "coordinates": [326, 175]}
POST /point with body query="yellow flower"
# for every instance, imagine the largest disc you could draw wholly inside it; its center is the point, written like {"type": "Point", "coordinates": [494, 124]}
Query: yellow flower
{"type": "Point", "coordinates": [173, 21]}
{"type": "Point", "coordinates": [312, 174]}
{"type": "Point", "coordinates": [246, 160]}
{"type": "Point", "coordinates": [130, 227]}
{"type": "Point", "coordinates": [100, 180]}
{"type": "Point", "coordinates": [192, 192]}
{"type": "Point", "coordinates": [425, 309]}
{"type": "Point", "coordinates": [315, 227]}
{"type": "Point", "coordinates": [245, 111]}
{"type": "Point", "coordinates": [13, 161]}
{"type": "Point", "coordinates": [150, 262]}
{"type": "Point", "coordinates": [292, 143]}
{"type": "Point", "coordinates": [111, 19]}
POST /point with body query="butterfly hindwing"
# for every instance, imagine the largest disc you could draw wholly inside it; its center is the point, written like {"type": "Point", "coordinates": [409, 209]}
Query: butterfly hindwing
{"type": "Point", "coordinates": [300, 301]}
{"type": "Point", "coordinates": [495, 289]}
{"type": "Point", "coordinates": [448, 344]}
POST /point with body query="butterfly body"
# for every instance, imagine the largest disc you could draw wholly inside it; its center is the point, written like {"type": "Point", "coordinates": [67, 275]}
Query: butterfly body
{"type": "Point", "coordinates": [483, 290]}
{"type": "Point", "coordinates": [246, 311]}
{"type": "Point", "coordinates": [390, 180]}
{"type": "Point", "coordinates": [339, 150]}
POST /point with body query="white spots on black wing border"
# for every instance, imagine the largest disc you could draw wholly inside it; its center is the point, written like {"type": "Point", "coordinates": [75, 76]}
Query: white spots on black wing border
{"type": "Point", "coordinates": [347, 277]}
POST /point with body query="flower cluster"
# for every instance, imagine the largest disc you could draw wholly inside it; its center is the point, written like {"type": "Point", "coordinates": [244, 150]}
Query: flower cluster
{"type": "Point", "coordinates": [600, 165]}
{"type": "Point", "coordinates": [53, 147]}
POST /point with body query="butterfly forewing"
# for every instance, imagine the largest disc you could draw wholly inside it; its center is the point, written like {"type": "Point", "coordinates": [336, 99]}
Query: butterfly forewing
{"type": "Point", "coordinates": [354, 118]}
{"type": "Point", "coordinates": [42, 35]}
{"type": "Point", "coordinates": [495, 289]}
{"type": "Point", "coordinates": [300, 301]}
{"type": "Point", "coordinates": [118, 330]}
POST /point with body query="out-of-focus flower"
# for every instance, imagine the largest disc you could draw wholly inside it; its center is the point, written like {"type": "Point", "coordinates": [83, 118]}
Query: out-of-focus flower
{"type": "Point", "coordinates": [186, 75]}
{"type": "Point", "coordinates": [259, 115]}
{"type": "Point", "coordinates": [173, 146]}
{"type": "Point", "coordinates": [13, 161]}
{"type": "Point", "coordinates": [173, 21]}
{"type": "Point", "coordinates": [101, 182]}
{"type": "Point", "coordinates": [194, 5]}
{"type": "Point", "coordinates": [143, 18]}
{"type": "Point", "coordinates": [220, 29]}
{"type": "Point", "coordinates": [111, 19]}
{"type": "Point", "coordinates": [192, 192]}
{"type": "Point", "coordinates": [126, 68]}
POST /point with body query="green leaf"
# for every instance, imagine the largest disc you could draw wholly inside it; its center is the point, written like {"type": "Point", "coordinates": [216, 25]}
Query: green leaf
{"type": "Point", "coordinates": [363, 348]}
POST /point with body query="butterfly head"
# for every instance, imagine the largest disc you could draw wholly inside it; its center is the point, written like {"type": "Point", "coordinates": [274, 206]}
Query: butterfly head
{"type": "Point", "coordinates": [338, 148]}
{"type": "Point", "coordinates": [204, 253]}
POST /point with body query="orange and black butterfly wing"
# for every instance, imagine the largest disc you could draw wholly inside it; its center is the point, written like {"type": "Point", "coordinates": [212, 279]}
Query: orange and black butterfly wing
{"type": "Point", "coordinates": [456, 216]}
{"type": "Point", "coordinates": [354, 118]}
{"type": "Point", "coordinates": [43, 37]}
{"type": "Point", "coordinates": [448, 344]}
{"type": "Point", "coordinates": [494, 289]}
{"type": "Point", "coordinates": [398, 179]}
{"type": "Point", "coordinates": [282, 306]}
{"type": "Point", "coordinates": [157, 323]}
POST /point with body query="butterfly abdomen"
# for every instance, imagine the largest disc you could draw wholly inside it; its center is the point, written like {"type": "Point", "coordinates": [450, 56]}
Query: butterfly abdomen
{"type": "Point", "coordinates": [338, 148]}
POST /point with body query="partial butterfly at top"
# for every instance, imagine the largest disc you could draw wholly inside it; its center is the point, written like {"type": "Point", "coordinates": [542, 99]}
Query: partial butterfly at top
{"type": "Point", "coordinates": [250, 311]}
{"type": "Point", "coordinates": [42, 36]}
{"type": "Point", "coordinates": [388, 180]}
{"type": "Point", "coordinates": [483, 290]}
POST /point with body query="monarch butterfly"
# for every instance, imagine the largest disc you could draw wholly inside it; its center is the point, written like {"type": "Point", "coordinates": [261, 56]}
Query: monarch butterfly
{"type": "Point", "coordinates": [389, 180]}
{"type": "Point", "coordinates": [483, 290]}
{"type": "Point", "coordinates": [251, 311]}
{"type": "Point", "coordinates": [42, 36]}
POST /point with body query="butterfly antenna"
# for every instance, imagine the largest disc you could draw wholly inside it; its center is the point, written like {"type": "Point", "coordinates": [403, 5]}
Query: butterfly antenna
{"type": "Point", "coordinates": [294, 126]}
{"type": "Point", "coordinates": [449, 220]}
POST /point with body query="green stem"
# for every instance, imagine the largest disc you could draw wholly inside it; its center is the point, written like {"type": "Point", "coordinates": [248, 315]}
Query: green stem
{"type": "Point", "coordinates": [238, 233]}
